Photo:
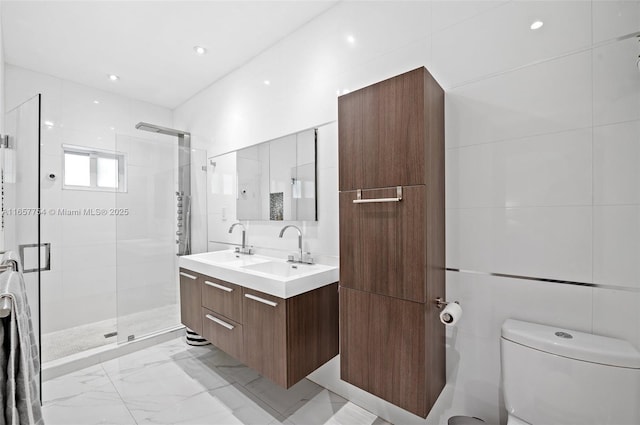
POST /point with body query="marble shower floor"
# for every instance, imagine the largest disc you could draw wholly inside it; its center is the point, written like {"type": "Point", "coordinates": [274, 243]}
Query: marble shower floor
{"type": "Point", "coordinates": [174, 383]}
{"type": "Point", "coordinates": [65, 342]}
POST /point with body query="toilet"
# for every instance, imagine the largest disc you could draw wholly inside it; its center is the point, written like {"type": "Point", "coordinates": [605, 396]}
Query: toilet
{"type": "Point", "coordinates": [554, 376]}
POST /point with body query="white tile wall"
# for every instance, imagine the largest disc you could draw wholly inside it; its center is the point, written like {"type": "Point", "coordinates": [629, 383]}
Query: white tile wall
{"type": "Point", "coordinates": [615, 18]}
{"type": "Point", "coordinates": [549, 170]}
{"type": "Point", "coordinates": [548, 97]}
{"type": "Point", "coordinates": [616, 245]}
{"type": "Point", "coordinates": [616, 155]}
{"type": "Point", "coordinates": [501, 39]}
{"type": "Point", "coordinates": [615, 82]}
{"type": "Point", "coordinates": [548, 242]}
{"type": "Point", "coordinates": [617, 314]}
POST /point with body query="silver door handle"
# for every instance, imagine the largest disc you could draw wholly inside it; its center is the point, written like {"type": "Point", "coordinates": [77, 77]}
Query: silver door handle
{"type": "Point", "coordinates": [47, 256]}
{"type": "Point", "coordinates": [261, 300]}
{"type": "Point", "coordinates": [220, 322]}
{"type": "Point", "coordinates": [216, 285]}
{"type": "Point", "coordinates": [188, 275]}
{"type": "Point", "coordinates": [359, 199]}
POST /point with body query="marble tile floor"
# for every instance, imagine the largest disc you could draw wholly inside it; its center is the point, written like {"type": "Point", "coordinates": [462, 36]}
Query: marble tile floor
{"type": "Point", "coordinates": [174, 383]}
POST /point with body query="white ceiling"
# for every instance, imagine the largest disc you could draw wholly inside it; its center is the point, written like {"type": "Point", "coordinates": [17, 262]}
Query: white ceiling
{"type": "Point", "coordinates": [149, 44]}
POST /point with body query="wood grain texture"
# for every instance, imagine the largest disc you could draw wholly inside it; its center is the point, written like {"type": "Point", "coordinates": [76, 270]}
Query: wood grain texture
{"type": "Point", "coordinates": [350, 171]}
{"type": "Point", "coordinates": [382, 245]}
{"type": "Point", "coordinates": [435, 233]}
{"type": "Point", "coordinates": [395, 253]}
{"type": "Point", "coordinates": [265, 336]}
{"type": "Point", "coordinates": [191, 301]}
{"type": "Point", "coordinates": [312, 331]}
{"type": "Point", "coordinates": [350, 242]}
{"type": "Point", "coordinates": [383, 347]}
{"type": "Point", "coordinates": [381, 131]}
{"type": "Point", "coordinates": [228, 304]}
{"type": "Point", "coordinates": [228, 340]}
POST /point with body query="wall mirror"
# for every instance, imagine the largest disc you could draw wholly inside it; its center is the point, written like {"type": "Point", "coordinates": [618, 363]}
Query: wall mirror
{"type": "Point", "coordinates": [274, 180]}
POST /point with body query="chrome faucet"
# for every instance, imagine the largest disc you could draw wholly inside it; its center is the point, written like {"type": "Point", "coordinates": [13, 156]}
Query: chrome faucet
{"type": "Point", "coordinates": [301, 259]}
{"type": "Point", "coordinates": [244, 249]}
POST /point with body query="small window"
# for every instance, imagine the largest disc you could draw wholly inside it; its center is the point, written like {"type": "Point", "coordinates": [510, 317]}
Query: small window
{"type": "Point", "coordinates": [92, 169]}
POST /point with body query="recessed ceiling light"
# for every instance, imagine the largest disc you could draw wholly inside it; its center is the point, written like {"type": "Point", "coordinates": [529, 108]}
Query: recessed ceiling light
{"type": "Point", "coordinates": [48, 123]}
{"type": "Point", "coordinates": [351, 39]}
{"type": "Point", "coordinates": [96, 101]}
{"type": "Point", "coordinates": [199, 50]}
{"type": "Point", "coordinates": [113, 77]}
{"type": "Point", "coordinates": [536, 25]}
{"type": "Point", "coordinates": [267, 82]}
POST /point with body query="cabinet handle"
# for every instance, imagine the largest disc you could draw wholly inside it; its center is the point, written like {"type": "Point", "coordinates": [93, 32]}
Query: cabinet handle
{"type": "Point", "coordinates": [359, 199]}
{"type": "Point", "coordinates": [188, 275]}
{"type": "Point", "coordinates": [261, 300]}
{"type": "Point", "coordinates": [216, 285]}
{"type": "Point", "coordinates": [220, 322]}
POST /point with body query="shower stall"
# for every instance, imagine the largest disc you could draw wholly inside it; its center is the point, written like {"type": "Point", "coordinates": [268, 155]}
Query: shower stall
{"type": "Point", "coordinates": [99, 221]}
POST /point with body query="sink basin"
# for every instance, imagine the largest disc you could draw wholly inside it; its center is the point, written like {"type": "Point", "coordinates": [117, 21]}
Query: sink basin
{"type": "Point", "coordinates": [280, 269]}
{"type": "Point", "coordinates": [271, 275]}
{"type": "Point", "coordinates": [229, 258]}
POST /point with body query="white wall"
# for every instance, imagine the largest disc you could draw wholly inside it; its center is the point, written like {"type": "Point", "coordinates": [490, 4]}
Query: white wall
{"type": "Point", "coordinates": [543, 146]}
{"type": "Point", "coordinates": [81, 286]}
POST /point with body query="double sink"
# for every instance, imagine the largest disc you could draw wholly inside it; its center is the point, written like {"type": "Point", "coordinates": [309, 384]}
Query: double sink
{"type": "Point", "coordinates": [267, 274]}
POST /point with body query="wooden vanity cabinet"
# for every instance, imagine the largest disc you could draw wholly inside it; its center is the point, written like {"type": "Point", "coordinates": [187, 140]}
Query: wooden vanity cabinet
{"type": "Point", "coordinates": [391, 146]}
{"type": "Point", "coordinates": [265, 317]}
{"type": "Point", "coordinates": [290, 338]}
{"type": "Point", "coordinates": [191, 299]}
{"type": "Point", "coordinates": [283, 339]}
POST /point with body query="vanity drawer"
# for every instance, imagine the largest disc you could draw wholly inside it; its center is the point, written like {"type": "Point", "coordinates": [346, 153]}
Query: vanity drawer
{"type": "Point", "coordinates": [222, 297]}
{"type": "Point", "coordinates": [223, 333]}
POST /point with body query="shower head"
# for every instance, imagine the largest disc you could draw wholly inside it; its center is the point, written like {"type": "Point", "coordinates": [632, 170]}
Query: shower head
{"type": "Point", "coordinates": [162, 130]}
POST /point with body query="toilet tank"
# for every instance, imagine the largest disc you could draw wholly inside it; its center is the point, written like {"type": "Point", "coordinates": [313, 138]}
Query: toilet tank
{"type": "Point", "coordinates": [558, 376]}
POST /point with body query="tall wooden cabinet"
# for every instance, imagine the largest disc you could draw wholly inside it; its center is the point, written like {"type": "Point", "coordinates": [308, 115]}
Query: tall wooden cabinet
{"type": "Point", "coordinates": [391, 179]}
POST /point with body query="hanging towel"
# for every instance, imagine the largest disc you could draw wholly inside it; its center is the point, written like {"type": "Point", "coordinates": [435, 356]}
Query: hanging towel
{"type": "Point", "coordinates": [19, 377]}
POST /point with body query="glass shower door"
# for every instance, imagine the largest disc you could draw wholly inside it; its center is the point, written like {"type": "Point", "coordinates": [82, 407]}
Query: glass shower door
{"type": "Point", "coordinates": [20, 177]}
{"type": "Point", "coordinates": [146, 284]}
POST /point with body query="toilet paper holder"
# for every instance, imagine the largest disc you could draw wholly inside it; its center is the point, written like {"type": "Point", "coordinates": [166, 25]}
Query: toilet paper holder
{"type": "Point", "coordinates": [441, 303]}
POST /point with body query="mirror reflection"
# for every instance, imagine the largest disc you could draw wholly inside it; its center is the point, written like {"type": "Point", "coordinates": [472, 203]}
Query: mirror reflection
{"type": "Point", "coordinates": [274, 180]}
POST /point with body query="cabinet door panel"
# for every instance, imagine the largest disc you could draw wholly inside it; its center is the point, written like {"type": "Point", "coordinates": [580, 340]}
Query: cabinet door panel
{"type": "Point", "coordinates": [393, 146]}
{"type": "Point", "coordinates": [222, 297]}
{"type": "Point", "coordinates": [223, 333]}
{"type": "Point", "coordinates": [191, 300]}
{"type": "Point", "coordinates": [383, 245]}
{"type": "Point", "coordinates": [382, 133]}
{"type": "Point", "coordinates": [350, 119]}
{"type": "Point", "coordinates": [264, 328]}
{"type": "Point", "coordinates": [382, 343]}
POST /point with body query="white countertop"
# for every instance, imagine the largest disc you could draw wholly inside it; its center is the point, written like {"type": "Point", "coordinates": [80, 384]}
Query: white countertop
{"type": "Point", "coordinates": [270, 275]}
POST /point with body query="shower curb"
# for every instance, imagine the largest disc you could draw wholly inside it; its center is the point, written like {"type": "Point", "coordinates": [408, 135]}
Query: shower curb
{"type": "Point", "coordinates": [74, 362]}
